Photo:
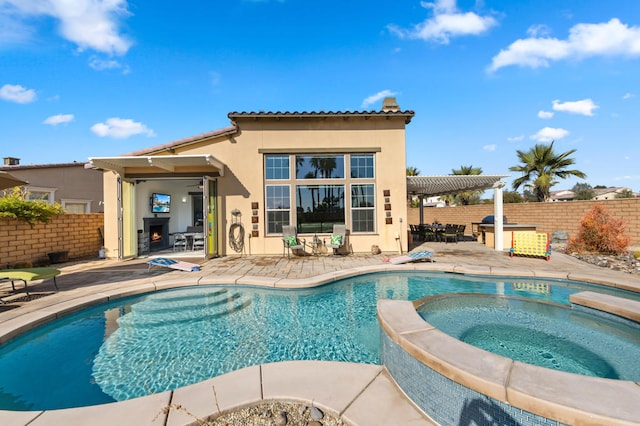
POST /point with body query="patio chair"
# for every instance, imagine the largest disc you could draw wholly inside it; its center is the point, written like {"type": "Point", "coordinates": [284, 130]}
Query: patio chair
{"type": "Point", "coordinates": [450, 233]}
{"type": "Point", "coordinates": [461, 229]}
{"type": "Point", "coordinates": [338, 238]}
{"type": "Point", "coordinates": [427, 233]}
{"type": "Point", "coordinates": [290, 240]}
{"type": "Point", "coordinates": [179, 241]}
{"type": "Point", "coordinates": [198, 241]}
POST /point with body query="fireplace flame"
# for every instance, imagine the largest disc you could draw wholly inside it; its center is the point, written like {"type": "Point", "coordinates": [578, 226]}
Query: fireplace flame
{"type": "Point", "coordinates": [156, 236]}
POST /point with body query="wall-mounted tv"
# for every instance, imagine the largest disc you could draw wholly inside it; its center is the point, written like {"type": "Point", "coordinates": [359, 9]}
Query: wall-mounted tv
{"type": "Point", "coordinates": [160, 203]}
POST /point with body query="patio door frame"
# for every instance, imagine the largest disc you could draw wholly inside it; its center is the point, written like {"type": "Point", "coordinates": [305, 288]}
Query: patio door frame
{"type": "Point", "coordinates": [127, 236]}
{"type": "Point", "coordinates": [210, 215]}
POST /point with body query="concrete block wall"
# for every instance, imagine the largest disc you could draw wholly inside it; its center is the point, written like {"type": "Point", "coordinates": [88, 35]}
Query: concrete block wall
{"type": "Point", "coordinates": [76, 233]}
{"type": "Point", "coordinates": [549, 217]}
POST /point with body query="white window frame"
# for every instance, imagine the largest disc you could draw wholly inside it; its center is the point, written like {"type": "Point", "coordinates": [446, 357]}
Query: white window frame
{"type": "Point", "coordinates": [50, 192]}
{"type": "Point", "coordinates": [372, 208]}
{"type": "Point", "coordinates": [267, 209]}
{"type": "Point", "coordinates": [86, 203]}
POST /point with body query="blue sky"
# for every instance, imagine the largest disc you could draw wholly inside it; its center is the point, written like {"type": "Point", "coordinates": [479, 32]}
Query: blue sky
{"type": "Point", "coordinates": [90, 78]}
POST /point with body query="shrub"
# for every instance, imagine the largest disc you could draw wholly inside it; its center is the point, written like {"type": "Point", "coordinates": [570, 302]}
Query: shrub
{"type": "Point", "coordinates": [636, 255]}
{"type": "Point", "coordinates": [599, 232]}
{"type": "Point", "coordinates": [15, 206]}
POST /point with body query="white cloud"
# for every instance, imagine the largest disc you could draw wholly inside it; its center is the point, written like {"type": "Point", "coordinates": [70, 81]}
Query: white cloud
{"type": "Point", "coordinates": [54, 120]}
{"type": "Point", "coordinates": [549, 134]}
{"type": "Point", "coordinates": [582, 107]}
{"type": "Point", "coordinates": [107, 64]}
{"type": "Point", "coordinates": [90, 24]}
{"type": "Point", "coordinates": [375, 98]}
{"type": "Point", "coordinates": [628, 96]}
{"type": "Point", "coordinates": [447, 21]}
{"type": "Point", "coordinates": [490, 147]}
{"type": "Point", "coordinates": [121, 128]}
{"type": "Point", "coordinates": [515, 138]}
{"type": "Point", "coordinates": [17, 93]}
{"type": "Point", "coordinates": [538, 30]}
{"type": "Point", "coordinates": [611, 38]}
{"type": "Point", "coordinates": [545, 114]}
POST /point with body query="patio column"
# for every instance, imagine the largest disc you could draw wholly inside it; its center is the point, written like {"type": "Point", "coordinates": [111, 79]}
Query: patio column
{"type": "Point", "coordinates": [498, 231]}
{"type": "Point", "coordinates": [421, 199]}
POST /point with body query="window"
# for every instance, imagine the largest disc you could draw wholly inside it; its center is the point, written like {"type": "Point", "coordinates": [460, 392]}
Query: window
{"type": "Point", "coordinates": [319, 166]}
{"type": "Point", "coordinates": [276, 167]}
{"type": "Point", "coordinates": [278, 202]}
{"type": "Point", "coordinates": [363, 207]}
{"type": "Point", "coordinates": [38, 193]}
{"type": "Point", "coordinates": [328, 189]}
{"type": "Point", "coordinates": [362, 166]}
{"type": "Point", "coordinates": [318, 207]}
{"type": "Point", "coordinates": [76, 206]}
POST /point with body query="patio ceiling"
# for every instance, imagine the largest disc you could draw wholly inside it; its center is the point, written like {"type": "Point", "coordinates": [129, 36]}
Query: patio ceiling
{"type": "Point", "coordinates": [431, 186]}
{"type": "Point", "coordinates": [165, 163]}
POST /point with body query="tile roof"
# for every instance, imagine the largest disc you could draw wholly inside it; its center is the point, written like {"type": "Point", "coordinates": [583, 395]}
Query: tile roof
{"type": "Point", "coordinates": [408, 115]}
{"type": "Point", "coordinates": [41, 166]}
{"type": "Point", "coordinates": [186, 141]}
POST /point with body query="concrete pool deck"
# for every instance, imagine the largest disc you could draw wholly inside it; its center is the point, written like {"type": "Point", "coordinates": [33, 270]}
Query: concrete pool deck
{"type": "Point", "coordinates": [361, 394]}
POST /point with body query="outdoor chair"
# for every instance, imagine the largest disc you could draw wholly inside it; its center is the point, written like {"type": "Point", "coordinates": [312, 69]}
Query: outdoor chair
{"type": "Point", "coordinates": [415, 232]}
{"type": "Point", "coordinates": [461, 229]}
{"type": "Point", "coordinates": [290, 240]}
{"type": "Point", "coordinates": [338, 238]}
{"type": "Point", "coordinates": [427, 233]}
{"type": "Point", "coordinates": [180, 242]}
{"type": "Point", "coordinates": [198, 241]}
{"type": "Point", "coordinates": [450, 233]}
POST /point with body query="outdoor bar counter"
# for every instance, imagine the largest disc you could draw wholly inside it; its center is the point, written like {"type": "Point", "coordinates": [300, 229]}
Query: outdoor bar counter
{"type": "Point", "coordinates": [486, 232]}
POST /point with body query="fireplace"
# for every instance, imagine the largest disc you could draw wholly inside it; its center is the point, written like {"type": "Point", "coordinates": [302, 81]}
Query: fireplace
{"type": "Point", "coordinates": [157, 230]}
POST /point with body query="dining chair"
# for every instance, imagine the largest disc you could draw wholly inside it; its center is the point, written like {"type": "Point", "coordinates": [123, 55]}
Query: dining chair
{"type": "Point", "coordinates": [179, 241]}
{"type": "Point", "coordinates": [198, 241]}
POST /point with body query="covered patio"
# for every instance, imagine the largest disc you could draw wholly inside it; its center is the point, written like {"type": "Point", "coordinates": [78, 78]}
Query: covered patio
{"type": "Point", "coordinates": [433, 186]}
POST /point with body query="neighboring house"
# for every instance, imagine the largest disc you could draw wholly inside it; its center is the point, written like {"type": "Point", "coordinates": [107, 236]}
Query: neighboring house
{"type": "Point", "coordinates": [562, 195]}
{"type": "Point", "coordinates": [609, 193]}
{"type": "Point", "coordinates": [267, 170]}
{"type": "Point", "coordinates": [76, 188]}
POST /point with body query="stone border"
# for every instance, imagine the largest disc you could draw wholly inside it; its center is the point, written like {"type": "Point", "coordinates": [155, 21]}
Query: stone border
{"type": "Point", "coordinates": [563, 397]}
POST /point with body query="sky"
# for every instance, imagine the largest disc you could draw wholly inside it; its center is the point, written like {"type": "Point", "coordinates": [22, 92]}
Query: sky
{"type": "Point", "coordinates": [90, 78]}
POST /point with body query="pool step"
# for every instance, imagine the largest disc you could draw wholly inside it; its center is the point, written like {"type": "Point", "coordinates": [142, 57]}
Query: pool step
{"type": "Point", "coordinates": [163, 310]}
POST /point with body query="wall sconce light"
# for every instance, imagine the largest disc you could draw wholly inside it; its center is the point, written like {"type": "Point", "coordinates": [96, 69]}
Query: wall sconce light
{"type": "Point", "coordinates": [184, 199]}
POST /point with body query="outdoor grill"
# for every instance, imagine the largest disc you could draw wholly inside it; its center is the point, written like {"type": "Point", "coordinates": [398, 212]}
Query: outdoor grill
{"type": "Point", "coordinates": [490, 219]}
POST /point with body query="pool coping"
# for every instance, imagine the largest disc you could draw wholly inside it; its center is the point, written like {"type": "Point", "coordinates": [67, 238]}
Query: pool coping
{"type": "Point", "coordinates": [58, 305]}
{"type": "Point", "coordinates": [560, 396]}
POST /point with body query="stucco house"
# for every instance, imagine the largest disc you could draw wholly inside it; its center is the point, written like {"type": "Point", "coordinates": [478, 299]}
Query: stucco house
{"type": "Point", "coordinates": [76, 188]}
{"type": "Point", "coordinates": [244, 182]}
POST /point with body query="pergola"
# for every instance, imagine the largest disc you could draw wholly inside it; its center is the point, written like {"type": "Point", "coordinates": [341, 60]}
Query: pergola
{"type": "Point", "coordinates": [432, 186]}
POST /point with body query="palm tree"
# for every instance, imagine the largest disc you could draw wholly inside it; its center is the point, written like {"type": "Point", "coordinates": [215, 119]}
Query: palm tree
{"type": "Point", "coordinates": [541, 166]}
{"type": "Point", "coordinates": [413, 171]}
{"type": "Point", "coordinates": [465, 197]}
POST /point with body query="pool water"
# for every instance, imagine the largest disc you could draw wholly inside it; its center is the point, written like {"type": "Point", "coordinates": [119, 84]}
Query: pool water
{"type": "Point", "coordinates": [541, 334]}
{"type": "Point", "coordinates": [164, 340]}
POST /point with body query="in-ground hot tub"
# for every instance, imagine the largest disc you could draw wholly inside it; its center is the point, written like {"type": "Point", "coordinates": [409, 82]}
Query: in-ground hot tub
{"type": "Point", "coordinates": [539, 333]}
{"type": "Point", "coordinates": [457, 383]}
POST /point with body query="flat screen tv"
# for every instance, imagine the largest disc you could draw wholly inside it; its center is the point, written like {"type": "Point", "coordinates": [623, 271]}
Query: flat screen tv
{"type": "Point", "coordinates": [160, 203]}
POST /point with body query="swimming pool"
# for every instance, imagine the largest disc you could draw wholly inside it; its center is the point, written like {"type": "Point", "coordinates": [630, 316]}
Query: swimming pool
{"type": "Point", "coordinates": [168, 339]}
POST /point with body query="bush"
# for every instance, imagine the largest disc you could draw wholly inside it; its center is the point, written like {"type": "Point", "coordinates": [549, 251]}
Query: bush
{"type": "Point", "coordinates": [15, 206]}
{"type": "Point", "coordinates": [599, 233]}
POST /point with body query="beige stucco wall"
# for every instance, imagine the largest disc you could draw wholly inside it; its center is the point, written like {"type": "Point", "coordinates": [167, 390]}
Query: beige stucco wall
{"type": "Point", "coordinates": [243, 181]}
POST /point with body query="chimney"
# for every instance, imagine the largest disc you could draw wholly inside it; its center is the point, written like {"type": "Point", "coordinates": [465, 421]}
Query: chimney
{"type": "Point", "coordinates": [11, 161]}
{"type": "Point", "coordinates": [390, 104]}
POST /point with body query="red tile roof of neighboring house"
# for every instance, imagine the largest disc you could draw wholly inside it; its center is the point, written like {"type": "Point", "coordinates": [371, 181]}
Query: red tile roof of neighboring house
{"type": "Point", "coordinates": [41, 166]}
